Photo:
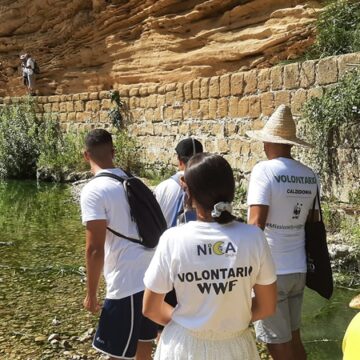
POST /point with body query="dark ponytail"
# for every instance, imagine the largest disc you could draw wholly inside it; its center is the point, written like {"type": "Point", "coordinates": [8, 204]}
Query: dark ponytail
{"type": "Point", "coordinates": [210, 181]}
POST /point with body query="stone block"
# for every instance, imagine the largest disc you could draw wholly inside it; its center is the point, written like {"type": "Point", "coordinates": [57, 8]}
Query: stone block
{"type": "Point", "coordinates": [103, 116]}
{"type": "Point", "coordinates": [84, 96]}
{"type": "Point", "coordinates": [213, 105]}
{"type": "Point", "coordinates": [214, 87]}
{"type": "Point", "coordinates": [7, 100]}
{"type": "Point", "coordinates": [196, 89]}
{"type": "Point", "coordinates": [170, 87]}
{"type": "Point", "coordinates": [267, 103]}
{"type": "Point", "coordinates": [149, 115]}
{"type": "Point", "coordinates": [327, 72]}
{"type": "Point", "coordinates": [223, 107]}
{"type": "Point", "coordinates": [186, 111]}
{"type": "Point", "coordinates": [250, 82]}
{"type": "Point", "coordinates": [307, 74]}
{"type": "Point", "coordinates": [235, 145]}
{"type": "Point", "coordinates": [160, 100]}
{"type": "Point", "coordinates": [79, 105]}
{"type": "Point", "coordinates": [55, 107]}
{"type": "Point", "coordinates": [134, 102]}
{"type": "Point", "coordinates": [134, 92]}
{"type": "Point", "coordinates": [143, 91]}
{"type": "Point", "coordinates": [282, 97]}
{"type": "Point", "coordinates": [76, 97]}
{"type": "Point", "coordinates": [222, 146]}
{"type": "Point", "coordinates": [177, 113]}
{"type": "Point", "coordinates": [104, 94]}
{"type": "Point", "coordinates": [152, 89]}
{"type": "Point", "coordinates": [217, 129]}
{"type": "Point", "coordinates": [276, 78]}
{"type": "Point", "coordinates": [152, 101]}
{"type": "Point", "coordinates": [225, 85]}
{"type": "Point", "coordinates": [209, 145]}
{"type": "Point", "coordinates": [168, 113]}
{"type": "Point", "coordinates": [204, 88]}
{"type": "Point", "coordinates": [230, 129]}
{"type": "Point", "coordinates": [244, 106]}
{"type": "Point", "coordinates": [71, 116]}
{"type": "Point", "coordinates": [254, 106]}
{"type": "Point", "coordinates": [157, 115]}
{"type": "Point", "coordinates": [204, 109]}
{"type": "Point", "coordinates": [62, 107]}
{"type": "Point", "coordinates": [124, 92]}
{"type": "Point", "coordinates": [237, 84]}
{"type": "Point", "coordinates": [184, 129]}
{"type": "Point", "coordinates": [347, 63]}
{"type": "Point", "coordinates": [188, 90]}
{"type": "Point", "coordinates": [63, 98]}
{"type": "Point", "coordinates": [170, 98]}
{"type": "Point", "coordinates": [162, 90]}
{"type": "Point", "coordinates": [179, 93]}
{"type": "Point", "coordinates": [95, 105]}
{"type": "Point", "coordinates": [143, 102]}
{"type": "Point", "coordinates": [234, 107]}
{"type": "Point", "coordinates": [94, 96]}
{"type": "Point", "coordinates": [106, 104]}
{"type": "Point", "coordinates": [264, 82]}
{"type": "Point", "coordinates": [194, 108]}
{"type": "Point", "coordinates": [315, 92]}
{"type": "Point", "coordinates": [291, 76]}
{"type": "Point", "coordinates": [62, 117]}
{"type": "Point", "coordinates": [52, 99]}
{"type": "Point", "coordinates": [298, 99]}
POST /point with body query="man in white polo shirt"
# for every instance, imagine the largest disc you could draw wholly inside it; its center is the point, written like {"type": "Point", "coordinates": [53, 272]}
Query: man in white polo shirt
{"type": "Point", "coordinates": [280, 195]}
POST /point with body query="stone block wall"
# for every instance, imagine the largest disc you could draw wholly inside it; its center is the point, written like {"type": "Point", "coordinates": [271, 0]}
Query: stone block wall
{"type": "Point", "coordinates": [216, 110]}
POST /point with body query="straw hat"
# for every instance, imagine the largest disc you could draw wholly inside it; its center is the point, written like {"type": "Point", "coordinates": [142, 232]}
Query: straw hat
{"type": "Point", "coordinates": [279, 129]}
{"type": "Point", "coordinates": [355, 302]}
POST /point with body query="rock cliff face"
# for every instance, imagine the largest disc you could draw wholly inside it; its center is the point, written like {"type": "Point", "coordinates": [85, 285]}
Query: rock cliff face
{"type": "Point", "coordinates": [84, 45]}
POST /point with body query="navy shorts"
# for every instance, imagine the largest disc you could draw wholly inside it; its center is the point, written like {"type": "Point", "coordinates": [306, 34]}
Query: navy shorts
{"type": "Point", "coordinates": [121, 326]}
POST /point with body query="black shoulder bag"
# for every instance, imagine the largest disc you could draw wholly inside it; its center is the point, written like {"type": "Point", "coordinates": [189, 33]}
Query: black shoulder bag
{"type": "Point", "coordinates": [319, 273]}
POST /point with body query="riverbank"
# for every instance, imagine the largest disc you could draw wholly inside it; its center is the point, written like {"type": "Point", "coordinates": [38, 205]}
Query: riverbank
{"type": "Point", "coordinates": [42, 282]}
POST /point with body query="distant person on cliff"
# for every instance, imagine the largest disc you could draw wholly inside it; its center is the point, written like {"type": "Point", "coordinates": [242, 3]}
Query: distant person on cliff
{"type": "Point", "coordinates": [123, 332]}
{"type": "Point", "coordinates": [30, 69]}
{"type": "Point", "coordinates": [23, 69]}
{"type": "Point", "coordinates": [169, 193]}
{"type": "Point", "coordinates": [213, 263]}
{"type": "Point", "coordinates": [280, 195]}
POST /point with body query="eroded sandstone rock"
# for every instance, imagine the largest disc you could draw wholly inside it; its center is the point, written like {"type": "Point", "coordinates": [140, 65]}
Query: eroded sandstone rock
{"type": "Point", "coordinates": [84, 45]}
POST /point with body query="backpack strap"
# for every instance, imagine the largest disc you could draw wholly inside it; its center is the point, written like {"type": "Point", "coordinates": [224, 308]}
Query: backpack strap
{"type": "Point", "coordinates": [178, 207]}
{"type": "Point", "coordinates": [120, 179]}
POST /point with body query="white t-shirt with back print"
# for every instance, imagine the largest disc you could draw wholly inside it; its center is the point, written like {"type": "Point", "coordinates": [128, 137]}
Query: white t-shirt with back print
{"type": "Point", "coordinates": [125, 262]}
{"type": "Point", "coordinates": [288, 187]}
{"type": "Point", "coordinates": [213, 269]}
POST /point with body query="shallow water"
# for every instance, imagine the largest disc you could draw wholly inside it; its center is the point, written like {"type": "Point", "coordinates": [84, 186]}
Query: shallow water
{"type": "Point", "coordinates": [41, 250]}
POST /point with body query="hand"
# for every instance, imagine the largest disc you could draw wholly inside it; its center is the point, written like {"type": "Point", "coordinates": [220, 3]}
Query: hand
{"type": "Point", "coordinates": [91, 304]}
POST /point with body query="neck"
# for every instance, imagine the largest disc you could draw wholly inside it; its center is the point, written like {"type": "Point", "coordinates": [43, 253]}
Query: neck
{"type": "Point", "coordinates": [96, 167]}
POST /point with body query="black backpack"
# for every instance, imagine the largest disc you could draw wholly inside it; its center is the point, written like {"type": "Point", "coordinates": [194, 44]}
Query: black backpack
{"type": "Point", "coordinates": [144, 210]}
{"type": "Point", "coordinates": [36, 68]}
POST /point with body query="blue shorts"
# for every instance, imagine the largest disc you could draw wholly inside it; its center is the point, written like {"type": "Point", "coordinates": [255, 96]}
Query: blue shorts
{"type": "Point", "coordinates": [121, 326]}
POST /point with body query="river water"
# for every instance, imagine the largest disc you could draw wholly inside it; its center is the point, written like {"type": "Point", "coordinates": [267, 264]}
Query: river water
{"type": "Point", "coordinates": [41, 282]}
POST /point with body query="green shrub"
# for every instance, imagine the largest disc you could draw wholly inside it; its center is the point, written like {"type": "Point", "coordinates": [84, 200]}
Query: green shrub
{"type": "Point", "coordinates": [60, 153]}
{"type": "Point", "coordinates": [127, 155]}
{"type": "Point", "coordinates": [19, 141]}
{"type": "Point", "coordinates": [325, 116]}
{"type": "Point", "coordinates": [338, 29]}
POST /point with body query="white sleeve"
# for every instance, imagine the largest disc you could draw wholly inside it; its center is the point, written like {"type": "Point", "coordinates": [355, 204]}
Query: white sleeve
{"type": "Point", "coordinates": [157, 276]}
{"type": "Point", "coordinates": [92, 205]}
{"type": "Point", "coordinates": [259, 191]}
{"type": "Point", "coordinates": [267, 274]}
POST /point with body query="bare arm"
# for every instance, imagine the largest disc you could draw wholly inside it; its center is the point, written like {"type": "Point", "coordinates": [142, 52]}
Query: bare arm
{"type": "Point", "coordinates": [264, 302]}
{"type": "Point", "coordinates": [155, 308]}
{"type": "Point", "coordinates": [258, 215]}
{"type": "Point", "coordinates": [95, 241]}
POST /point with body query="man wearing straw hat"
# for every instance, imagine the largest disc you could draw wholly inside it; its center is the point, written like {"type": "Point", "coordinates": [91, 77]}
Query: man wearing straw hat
{"type": "Point", "coordinates": [281, 193]}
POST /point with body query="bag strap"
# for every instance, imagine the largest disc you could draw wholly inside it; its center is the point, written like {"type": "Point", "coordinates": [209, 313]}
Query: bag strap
{"type": "Point", "coordinates": [121, 179]}
{"type": "Point", "coordinates": [317, 199]}
{"type": "Point", "coordinates": [179, 204]}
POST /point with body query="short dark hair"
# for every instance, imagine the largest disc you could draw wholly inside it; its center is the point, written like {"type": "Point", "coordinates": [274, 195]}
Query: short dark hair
{"type": "Point", "coordinates": [210, 180]}
{"type": "Point", "coordinates": [186, 148]}
{"type": "Point", "coordinates": [98, 143]}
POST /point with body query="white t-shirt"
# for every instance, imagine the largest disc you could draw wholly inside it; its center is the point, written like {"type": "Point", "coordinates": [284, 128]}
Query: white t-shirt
{"type": "Point", "coordinates": [125, 262]}
{"type": "Point", "coordinates": [213, 269]}
{"type": "Point", "coordinates": [288, 188]}
{"type": "Point", "coordinates": [168, 194]}
{"type": "Point", "coordinates": [30, 66]}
